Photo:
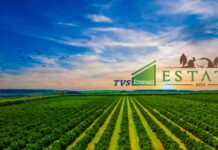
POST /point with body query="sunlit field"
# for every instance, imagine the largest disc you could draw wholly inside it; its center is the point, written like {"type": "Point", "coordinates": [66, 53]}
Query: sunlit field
{"type": "Point", "coordinates": [146, 122]}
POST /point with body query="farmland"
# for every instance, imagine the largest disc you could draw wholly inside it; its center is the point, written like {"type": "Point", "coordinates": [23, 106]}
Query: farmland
{"type": "Point", "coordinates": [145, 122]}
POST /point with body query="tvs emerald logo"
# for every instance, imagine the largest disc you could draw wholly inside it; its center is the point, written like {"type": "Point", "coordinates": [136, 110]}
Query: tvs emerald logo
{"type": "Point", "coordinates": [145, 75]}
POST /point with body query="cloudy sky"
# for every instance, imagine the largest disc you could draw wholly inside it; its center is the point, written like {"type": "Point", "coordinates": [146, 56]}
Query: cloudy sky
{"type": "Point", "coordinates": [86, 44]}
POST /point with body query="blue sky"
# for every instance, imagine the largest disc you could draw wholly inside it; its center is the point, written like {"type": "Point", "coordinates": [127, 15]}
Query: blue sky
{"type": "Point", "coordinates": [52, 42]}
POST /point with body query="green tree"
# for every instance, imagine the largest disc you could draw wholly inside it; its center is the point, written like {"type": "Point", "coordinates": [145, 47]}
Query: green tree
{"type": "Point", "coordinates": [183, 60]}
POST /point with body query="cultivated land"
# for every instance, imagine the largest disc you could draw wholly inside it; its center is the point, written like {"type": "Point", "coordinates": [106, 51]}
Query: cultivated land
{"type": "Point", "coordinates": [179, 121]}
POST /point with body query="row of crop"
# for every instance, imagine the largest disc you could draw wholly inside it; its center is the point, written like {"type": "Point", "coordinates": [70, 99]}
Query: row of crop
{"type": "Point", "coordinates": [186, 139]}
{"type": "Point", "coordinates": [189, 118]}
{"type": "Point", "coordinates": [213, 130]}
{"type": "Point", "coordinates": [31, 115]}
{"type": "Point", "coordinates": [204, 136]}
{"type": "Point", "coordinates": [144, 140]}
{"type": "Point", "coordinates": [24, 100]}
{"type": "Point", "coordinates": [202, 110]}
{"type": "Point", "coordinates": [44, 131]}
{"type": "Point", "coordinates": [23, 135]}
{"type": "Point", "coordinates": [71, 135]}
{"type": "Point", "coordinates": [63, 129]}
{"type": "Point", "coordinates": [34, 122]}
{"type": "Point", "coordinates": [90, 133]}
{"type": "Point", "coordinates": [208, 98]}
{"type": "Point", "coordinates": [190, 105]}
{"type": "Point", "coordinates": [27, 119]}
{"type": "Point", "coordinates": [168, 142]}
{"type": "Point", "coordinates": [124, 142]}
{"type": "Point", "coordinates": [187, 111]}
{"type": "Point", "coordinates": [105, 139]}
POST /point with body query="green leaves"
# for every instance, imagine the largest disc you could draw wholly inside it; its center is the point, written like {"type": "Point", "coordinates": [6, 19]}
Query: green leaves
{"type": "Point", "coordinates": [105, 139]}
{"type": "Point", "coordinates": [196, 113]}
{"type": "Point", "coordinates": [123, 141]}
{"type": "Point", "coordinates": [39, 123]}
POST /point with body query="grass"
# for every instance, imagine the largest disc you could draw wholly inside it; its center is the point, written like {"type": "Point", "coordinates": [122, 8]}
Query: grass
{"type": "Point", "coordinates": [97, 137]}
{"type": "Point", "coordinates": [155, 141]}
{"type": "Point", "coordinates": [11, 101]}
{"type": "Point", "coordinates": [167, 131]}
{"type": "Point", "coordinates": [18, 122]}
{"type": "Point", "coordinates": [84, 133]}
{"type": "Point", "coordinates": [116, 136]}
{"type": "Point", "coordinates": [134, 140]}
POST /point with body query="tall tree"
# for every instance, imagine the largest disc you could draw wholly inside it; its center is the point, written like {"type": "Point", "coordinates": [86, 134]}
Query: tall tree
{"type": "Point", "coordinates": [183, 60]}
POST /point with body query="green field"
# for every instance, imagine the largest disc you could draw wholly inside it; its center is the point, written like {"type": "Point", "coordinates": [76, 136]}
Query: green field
{"type": "Point", "coordinates": [178, 121]}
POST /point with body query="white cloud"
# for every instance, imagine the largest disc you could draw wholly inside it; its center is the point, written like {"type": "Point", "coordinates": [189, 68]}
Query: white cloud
{"type": "Point", "coordinates": [89, 71]}
{"type": "Point", "coordinates": [122, 51]}
{"type": "Point", "coordinates": [105, 5]}
{"type": "Point", "coordinates": [103, 39]}
{"type": "Point", "coordinates": [67, 24]}
{"type": "Point", "coordinates": [45, 60]}
{"type": "Point", "coordinates": [204, 8]}
{"type": "Point", "coordinates": [99, 18]}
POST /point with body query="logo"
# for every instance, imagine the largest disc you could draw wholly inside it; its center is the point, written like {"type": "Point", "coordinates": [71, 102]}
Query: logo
{"type": "Point", "coordinates": [191, 63]}
{"type": "Point", "coordinates": [145, 75]}
{"type": "Point", "coordinates": [199, 72]}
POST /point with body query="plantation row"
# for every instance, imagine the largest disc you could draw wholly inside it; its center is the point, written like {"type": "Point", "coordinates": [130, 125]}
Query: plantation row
{"type": "Point", "coordinates": [105, 122]}
{"type": "Point", "coordinates": [135, 135]}
{"type": "Point", "coordinates": [36, 125]}
{"type": "Point", "coordinates": [184, 117]}
{"type": "Point", "coordinates": [208, 98]}
{"type": "Point", "coordinates": [12, 101]}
